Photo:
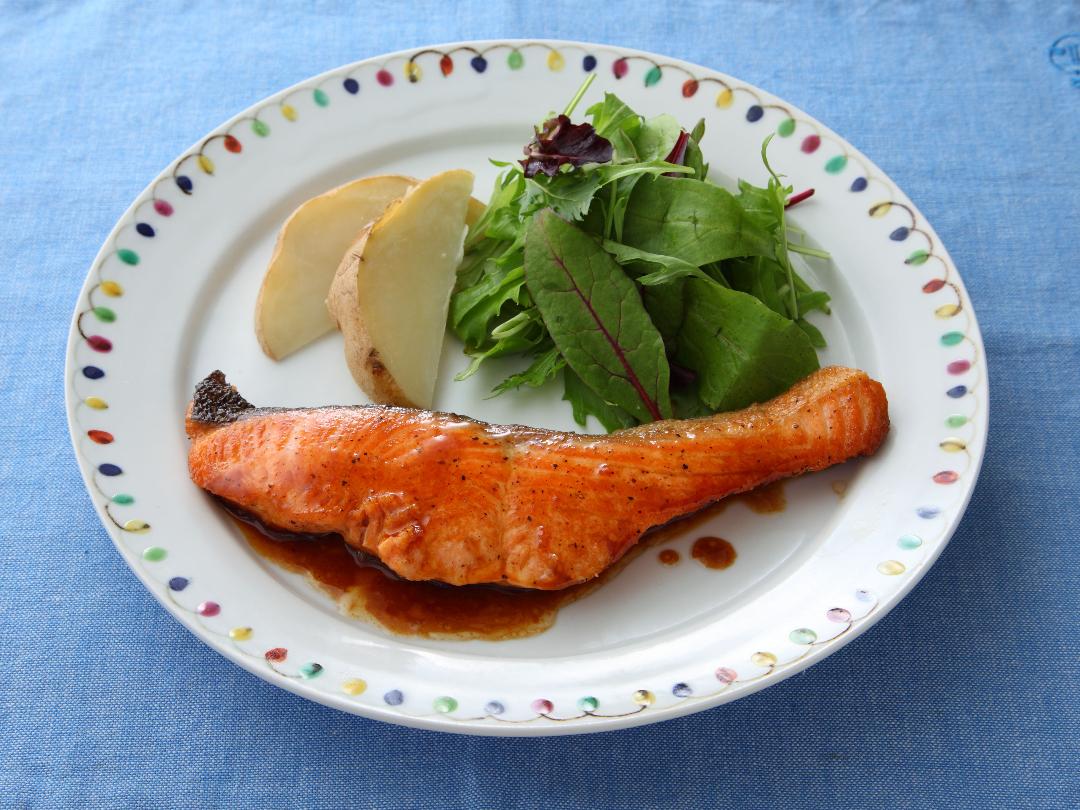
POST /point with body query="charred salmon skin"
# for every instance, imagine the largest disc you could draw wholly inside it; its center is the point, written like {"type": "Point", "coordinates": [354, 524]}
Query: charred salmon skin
{"type": "Point", "coordinates": [441, 497]}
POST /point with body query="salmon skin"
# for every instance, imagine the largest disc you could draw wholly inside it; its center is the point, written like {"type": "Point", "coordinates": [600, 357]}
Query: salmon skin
{"type": "Point", "coordinates": [437, 496]}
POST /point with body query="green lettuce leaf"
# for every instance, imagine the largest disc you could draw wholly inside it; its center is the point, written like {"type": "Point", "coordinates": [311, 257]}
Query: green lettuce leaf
{"type": "Point", "coordinates": [741, 351]}
{"type": "Point", "coordinates": [696, 222]}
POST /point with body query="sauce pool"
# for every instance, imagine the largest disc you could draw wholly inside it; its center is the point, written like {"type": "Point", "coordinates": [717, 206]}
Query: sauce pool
{"type": "Point", "coordinates": [411, 608]}
{"type": "Point", "coordinates": [668, 556]}
{"type": "Point", "coordinates": [364, 589]}
{"type": "Point", "coordinates": [765, 500]}
{"type": "Point", "coordinates": [713, 552]}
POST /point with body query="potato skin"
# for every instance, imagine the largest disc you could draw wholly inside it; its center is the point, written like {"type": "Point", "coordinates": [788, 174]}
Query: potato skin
{"type": "Point", "coordinates": [281, 282]}
{"type": "Point", "coordinates": [360, 353]}
{"type": "Point", "coordinates": [349, 308]}
{"type": "Point", "coordinates": [288, 311]}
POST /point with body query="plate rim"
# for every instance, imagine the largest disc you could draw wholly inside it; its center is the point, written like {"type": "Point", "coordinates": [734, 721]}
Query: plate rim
{"type": "Point", "coordinates": [590, 724]}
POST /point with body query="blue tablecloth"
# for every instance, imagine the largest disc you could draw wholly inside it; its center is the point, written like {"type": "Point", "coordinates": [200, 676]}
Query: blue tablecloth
{"type": "Point", "coordinates": [965, 696]}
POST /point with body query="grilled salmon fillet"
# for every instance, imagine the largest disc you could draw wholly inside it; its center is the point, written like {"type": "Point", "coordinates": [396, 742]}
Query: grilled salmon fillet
{"type": "Point", "coordinates": [441, 497]}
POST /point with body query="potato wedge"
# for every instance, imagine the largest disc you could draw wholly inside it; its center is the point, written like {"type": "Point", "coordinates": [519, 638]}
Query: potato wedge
{"type": "Point", "coordinates": [391, 292]}
{"type": "Point", "coordinates": [291, 310]}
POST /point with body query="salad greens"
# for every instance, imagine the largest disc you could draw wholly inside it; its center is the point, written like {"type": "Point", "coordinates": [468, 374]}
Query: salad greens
{"type": "Point", "coordinates": [609, 259]}
{"type": "Point", "coordinates": [594, 314]}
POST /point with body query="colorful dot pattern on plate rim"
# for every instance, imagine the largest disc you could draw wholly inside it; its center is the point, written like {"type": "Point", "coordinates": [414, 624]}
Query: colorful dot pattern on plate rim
{"type": "Point", "coordinates": [106, 296]}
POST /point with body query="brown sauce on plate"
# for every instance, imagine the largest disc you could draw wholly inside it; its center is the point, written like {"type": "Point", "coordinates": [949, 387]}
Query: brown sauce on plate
{"type": "Point", "coordinates": [365, 589]}
{"type": "Point", "coordinates": [765, 500]}
{"type": "Point", "coordinates": [430, 609]}
{"type": "Point", "coordinates": [668, 556]}
{"type": "Point", "coordinates": [713, 552]}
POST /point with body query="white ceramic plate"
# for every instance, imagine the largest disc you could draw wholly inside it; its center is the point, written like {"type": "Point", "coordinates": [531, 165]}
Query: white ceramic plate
{"type": "Point", "coordinates": [171, 294]}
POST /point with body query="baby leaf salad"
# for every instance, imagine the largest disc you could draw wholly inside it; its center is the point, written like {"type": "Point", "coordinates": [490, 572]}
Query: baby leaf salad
{"type": "Point", "coordinates": [608, 257]}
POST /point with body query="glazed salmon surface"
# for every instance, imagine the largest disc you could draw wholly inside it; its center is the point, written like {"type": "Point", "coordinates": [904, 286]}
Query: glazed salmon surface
{"type": "Point", "coordinates": [440, 497]}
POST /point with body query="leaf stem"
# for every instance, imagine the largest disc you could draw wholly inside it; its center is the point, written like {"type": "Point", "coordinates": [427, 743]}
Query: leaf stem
{"type": "Point", "coordinates": [808, 251]}
{"type": "Point", "coordinates": [795, 199]}
{"type": "Point", "coordinates": [577, 96]}
{"type": "Point", "coordinates": [776, 187]}
{"type": "Point", "coordinates": [609, 218]}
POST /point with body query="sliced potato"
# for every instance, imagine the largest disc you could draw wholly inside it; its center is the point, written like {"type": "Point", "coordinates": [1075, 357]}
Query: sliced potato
{"type": "Point", "coordinates": [291, 309]}
{"type": "Point", "coordinates": [476, 209]}
{"type": "Point", "coordinates": [391, 292]}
